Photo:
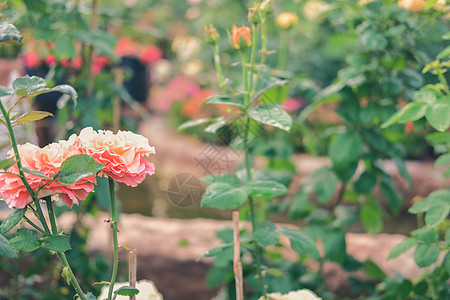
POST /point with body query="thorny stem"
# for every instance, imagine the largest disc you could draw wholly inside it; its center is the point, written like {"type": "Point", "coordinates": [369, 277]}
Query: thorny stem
{"type": "Point", "coordinates": [19, 166]}
{"type": "Point", "coordinates": [116, 243]}
{"type": "Point", "coordinates": [34, 225]}
{"type": "Point", "coordinates": [61, 255]}
{"type": "Point", "coordinates": [263, 51]}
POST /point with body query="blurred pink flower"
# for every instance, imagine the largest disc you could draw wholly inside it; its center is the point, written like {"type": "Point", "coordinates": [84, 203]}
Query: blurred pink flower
{"type": "Point", "coordinates": [150, 54]}
{"type": "Point", "coordinates": [180, 88]}
{"type": "Point", "coordinates": [123, 154]}
{"type": "Point", "coordinates": [46, 160]}
{"type": "Point", "coordinates": [50, 60]}
{"type": "Point", "coordinates": [76, 62]}
{"type": "Point", "coordinates": [293, 104]}
{"type": "Point", "coordinates": [32, 59]}
{"type": "Point", "coordinates": [126, 47]}
{"type": "Point", "coordinates": [99, 63]}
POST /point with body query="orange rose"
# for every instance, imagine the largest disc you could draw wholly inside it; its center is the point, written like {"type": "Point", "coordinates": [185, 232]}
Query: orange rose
{"type": "Point", "coordinates": [237, 33]}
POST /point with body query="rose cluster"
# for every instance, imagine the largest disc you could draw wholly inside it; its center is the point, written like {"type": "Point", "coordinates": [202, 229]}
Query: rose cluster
{"type": "Point", "coordinates": [123, 155]}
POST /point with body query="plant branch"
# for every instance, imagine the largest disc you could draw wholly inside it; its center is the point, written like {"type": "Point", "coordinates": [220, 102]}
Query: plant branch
{"type": "Point", "coordinates": [115, 241]}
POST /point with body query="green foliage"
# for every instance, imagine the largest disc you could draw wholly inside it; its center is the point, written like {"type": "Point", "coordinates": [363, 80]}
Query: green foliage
{"type": "Point", "coordinates": [58, 243]}
{"type": "Point", "coordinates": [9, 33]}
{"type": "Point", "coordinates": [77, 167]}
{"type": "Point", "coordinates": [12, 220]}
{"type": "Point", "coordinates": [25, 241]}
{"type": "Point", "coordinates": [5, 249]}
{"type": "Point", "coordinates": [126, 291]}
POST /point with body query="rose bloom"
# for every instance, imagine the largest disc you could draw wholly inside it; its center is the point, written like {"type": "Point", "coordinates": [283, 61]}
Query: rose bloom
{"type": "Point", "coordinates": [46, 160]}
{"type": "Point", "coordinates": [32, 60]}
{"type": "Point", "coordinates": [287, 19]}
{"type": "Point", "coordinates": [150, 54]}
{"type": "Point", "coordinates": [414, 6]}
{"type": "Point", "coordinates": [237, 33]}
{"type": "Point", "coordinates": [294, 295]}
{"type": "Point", "coordinates": [123, 154]}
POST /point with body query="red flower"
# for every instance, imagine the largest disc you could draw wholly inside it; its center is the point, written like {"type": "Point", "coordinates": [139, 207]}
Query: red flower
{"type": "Point", "coordinates": [32, 59]}
{"type": "Point", "coordinates": [150, 54]}
{"type": "Point", "coordinates": [237, 33]}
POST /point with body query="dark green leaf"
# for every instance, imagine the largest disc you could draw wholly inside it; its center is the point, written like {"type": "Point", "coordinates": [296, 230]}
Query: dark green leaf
{"type": "Point", "coordinates": [5, 250]}
{"type": "Point", "coordinates": [264, 188]}
{"type": "Point", "coordinates": [411, 112]}
{"type": "Point", "coordinates": [223, 196]}
{"type": "Point", "coordinates": [12, 220]}
{"type": "Point", "coordinates": [25, 241]}
{"type": "Point", "coordinates": [77, 167]}
{"type": "Point", "coordinates": [371, 217]}
{"type": "Point", "coordinates": [365, 183]}
{"type": "Point", "coordinates": [266, 236]}
{"type": "Point", "coordinates": [58, 243]}
{"type": "Point", "coordinates": [426, 254]}
{"type": "Point", "coordinates": [438, 114]}
{"type": "Point", "coordinates": [271, 114]}
{"type": "Point", "coordinates": [404, 246]}
{"type": "Point", "coordinates": [301, 243]}
{"type": "Point", "coordinates": [402, 169]}
{"type": "Point", "coordinates": [33, 116]}
{"type": "Point", "coordinates": [389, 192]}
{"type": "Point", "coordinates": [7, 163]}
{"type": "Point", "coordinates": [444, 53]}
{"type": "Point", "coordinates": [373, 270]}
{"type": "Point", "coordinates": [447, 237]}
{"type": "Point", "coordinates": [9, 33]}
{"type": "Point", "coordinates": [299, 204]}
{"type": "Point", "coordinates": [325, 182]}
{"type": "Point", "coordinates": [127, 291]}
{"type": "Point", "coordinates": [344, 149]}
{"type": "Point", "coordinates": [425, 234]}
{"type": "Point", "coordinates": [334, 246]}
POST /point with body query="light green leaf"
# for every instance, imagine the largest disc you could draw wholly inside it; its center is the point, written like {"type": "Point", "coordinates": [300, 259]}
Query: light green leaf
{"type": "Point", "coordinates": [25, 241]}
{"type": "Point", "coordinates": [223, 196]}
{"type": "Point", "coordinates": [301, 243]}
{"type": "Point", "coordinates": [426, 254]}
{"type": "Point", "coordinates": [389, 192]}
{"type": "Point", "coordinates": [193, 123]}
{"type": "Point", "coordinates": [5, 250]}
{"type": "Point", "coordinates": [28, 85]}
{"type": "Point", "coordinates": [436, 215]}
{"type": "Point", "coordinates": [7, 163]}
{"type": "Point", "coordinates": [9, 33]}
{"type": "Point", "coordinates": [264, 188]}
{"type": "Point", "coordinates": [66, 89]}
{"type": "Point", "coordinates": [58, 243]}
{"type": "Point", "coordinates": [439, 137]}
{"type": "Point", "coordinates": [90, 296]}
{"type": "Point", "coordinates": [438, 114]}
{"type": "Point", "coordinates": [430, 4]}
{"type": "Point", "coordinates": [425, 95]}
{"type": "Point", "coordinates": [36, 173]}
{"type": "Point", "coordinates": [373, 270]}
{"type": "Point", "coordinates": [436, 198]}
{"type": "Point", "coordinates": [219, 123]}
{"type": "Point", "coordinates": [12, 220]}
{"type": "Point", "coordinates": [325, 182]}
{"type": "Point", "coordinates": [231, 179]}
{"type": "Point", "coordinates": [444, 53]}
{"type": "Point", "coordinates": [266, 236]}
{"type": "Point", "coordinates": [425, 234]}
{"type": "Point", "coordinates": [223, 99]}
{"type": "Point", "coordinates": [447, 237]}
{"type": "Point", "coordinates": [371, 217]}
{"type": "Point", "coordinates": [266, 84]}
{"type": "Point", "coordinates": [271, 114]}
{"type": "Point", "coordinates": [442, 160]}
{"type": "Point", "coordinates": [410, 112]}
{"type": "Point", "coordinates": [33, 116]}
{"type": "Point", "coordinates": [404, 246]}
{"type": "Point", "coordinates": [5, 91]}
{"type": "Point", "coordinates": [215, 251]}
{"type": "Point", "coordinates": [127, 291]}
{"type": "Point", "coordinates": [64, 47]}
{"type": "Point", "coordinates": [77, 167]}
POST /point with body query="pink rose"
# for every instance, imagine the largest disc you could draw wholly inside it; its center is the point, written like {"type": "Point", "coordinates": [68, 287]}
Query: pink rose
{"type": "Point", "coordinates": [32, 60]}
{"type": "Point", "coordinates": [150, 54]}
{"type": "Point", "coordinates": [123, 154]}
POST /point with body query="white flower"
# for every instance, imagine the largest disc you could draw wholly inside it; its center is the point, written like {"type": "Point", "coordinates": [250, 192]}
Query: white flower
{"type": "Point", "coordinates": [293, 295]}
{"type": "Point", "coordinates": [147, 291]}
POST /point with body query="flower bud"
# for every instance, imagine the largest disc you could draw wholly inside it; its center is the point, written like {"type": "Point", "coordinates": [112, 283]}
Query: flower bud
{"type": "Point", "coordinates": [287, 19]}
{"type": "Point", "coordinates": [266, 7]}
{"type": "Point", "coordinates": [414, 6]}
{"type": "Point", "coordinates": [211, 35]}
{"type": "Point", "coordinates": [254, 14]}
{"type": "Point", "coordinates": [237, 33]}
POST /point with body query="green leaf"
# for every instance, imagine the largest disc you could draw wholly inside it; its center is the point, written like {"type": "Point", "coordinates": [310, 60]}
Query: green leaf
{"type": "Point", "coordinates": [442, 160]}
{"type": "Point", "coordinates": [223, 99]}
{"type": "Point", "coordinates": [27, 85]}
{"type": "Point", "coordinates": [219, 123]}
{"type": "Point", "coordinates": [344, 149]}
{"type": "Point", "coordinates": [447, 262]}
{"type": "Point", "coordinates": [12, 220]}
{"type": "Point", "coordinates": [90, 296]}
{"type": "Point", "coordinates": [7, 163]}
{"type": "Point", "coordinates": [334, 246]}
{"type": "Point", "coordinates": [77, 167]}
{"type": "Point", "coordinates": [9, 33]}
{"type": "Point", "coordinates": [223, 196]}
{"type": "Point", "coordinates": [193, 123]}
{"type": "Point", "coordinates": [215, 251]}
{"type": "Point", "coordinates": [5, 91]}
{"type": "Point", "coordinates": [36, 173]}
{"type": "Point", "coordinates": [58, 243]}
{"type": "Point", "coordinates": [266, 236]}
{"type": "Point", "coordinates": [426, 254]}
{"type": "Point", "coordinates": [66, 89]}
{"type": "Point", "coordinates": [425, 234]}
{"type": "Point", "coordinates": [438, 114]}
{"type": "Point", "coordinates": [372, 270]}
{"type": "Point", "coordinates": [266, 84]}
{"type": "Point", "coordinates": [5, 250]}
{"type": "Point", "coordinates": [447, 238]}
{"type": "Point", "coordinates": [264, 188]}
{"type": "Point", "coordinates": [401, 167]}
{"type": "Point", "coordinates": [231, 179]}
{"type": "Point", "coordinates": [411, 112]}
{"type": "Point", "coordinates": [439, 137]}
{"type": "Point", "coordinates": [444, 53]}
{"type": "Point", "coordinates": [64, 47]}
{"type": "Point", "coordinates": [436, 215]}
{"type": "Point", "coordinates": [271, 114]}
{"type": "Point", "coordinates": [425, 95]}
{"type": "Point", "coordinates": [389, 192]}
{"type": "Point", "coordinates": [299, 204]}
{"type": "Point", "coordinates": [404, 246]}
{"type": "Point", "coordinates": [365, 183]}
{"type": "Point", "coordinates": [430, 4]}
{"type": "Point", "coordinates": [301, 243]}
{"type": "Point", "coordinates": [371, 217]}
{"type": "Point", "coordinates": [33, 116]}
{"type": "Point", "coordinates": [373, 41]}
{"type": "Point", "coordinates": [436, 198]}
{"type": "Point", "coordinates": [25, 241]}
{"type": "Point", "coordinates": [127, 291]}
{"type": "Point", "coordinates": [325, 183]}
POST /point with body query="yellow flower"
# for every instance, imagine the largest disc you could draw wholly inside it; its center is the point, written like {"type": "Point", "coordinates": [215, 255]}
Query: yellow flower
{"type": "Point", "coordinates": [287, 19]}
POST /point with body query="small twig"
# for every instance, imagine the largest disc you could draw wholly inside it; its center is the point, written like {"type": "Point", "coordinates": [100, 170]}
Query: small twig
{"type": "Point", "coordinates": [237, 265]}
{"type": "Point", "coordinates": [132, 270]}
